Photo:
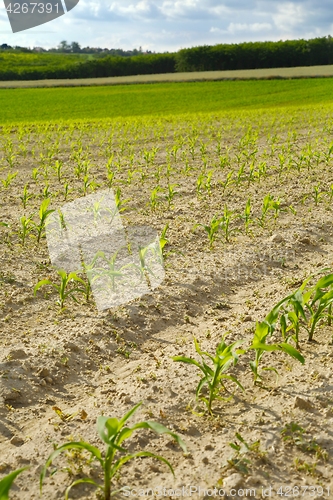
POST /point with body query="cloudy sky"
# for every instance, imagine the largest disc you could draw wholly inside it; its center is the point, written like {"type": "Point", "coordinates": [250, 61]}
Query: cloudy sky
{"type": "Point", "coordinates": [168, 25]}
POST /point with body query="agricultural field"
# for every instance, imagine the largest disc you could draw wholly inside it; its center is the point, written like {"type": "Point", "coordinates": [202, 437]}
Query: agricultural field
{"type": "Point", "coordinates": [161, 99]}
{"type": "Point", "coordinates": [230, 355]}
{"type": "Point", "coordinates": [242, 74]}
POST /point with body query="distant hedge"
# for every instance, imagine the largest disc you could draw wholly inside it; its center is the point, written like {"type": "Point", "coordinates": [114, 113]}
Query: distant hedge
{"type": "Point", "coordinates": [255, 55]}
{"type": "Point", "coordinates": [251, 55]}
{"type": "Point", "coordinates": [92, 68]}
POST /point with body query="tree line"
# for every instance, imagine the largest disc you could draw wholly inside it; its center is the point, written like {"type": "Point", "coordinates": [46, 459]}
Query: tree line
{"type": "Point", "coordinates": [249, 55]}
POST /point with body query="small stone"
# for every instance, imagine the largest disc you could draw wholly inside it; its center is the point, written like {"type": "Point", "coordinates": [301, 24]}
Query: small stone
{"type": "Point", "coordinates": [73, 347]}
{"type": "Point", "coordinates": [17, 441]}
{"type": "Point", "coordinates": [303, 404]}
{"type": "Point", "coordinates": [127, 399]}
{"type": "Point", "coordinates": [43, 372]}
{"type": "Point", "coordinates": [17, 354]}
{"type": "Point", "coordinates": [276, 238]}
{"type": "Point", "coordinates": [248, 318]}
{"type": "Point", "coordinates": [305, 240]}
{"type": "Point", "coordinates": [233, 481]}
{"type": "Point", "coordinates": [49, 380]}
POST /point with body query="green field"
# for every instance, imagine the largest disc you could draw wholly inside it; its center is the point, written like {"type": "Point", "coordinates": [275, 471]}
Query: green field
{"type": "Point", "coordinates": [54, 104]}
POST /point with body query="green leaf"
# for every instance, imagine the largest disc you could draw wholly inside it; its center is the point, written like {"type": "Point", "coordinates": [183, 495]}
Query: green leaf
{"type": "Point", "coordinates": [129, 414]}
{"type": "Point", "coordinates": [80, 481]}
{"type": "Point", "coordinates": [73, 445]}
{"type": "Point", "coordinates": [292, 352]}
{"type": "Point", "coordinates": [107, 428]}
{"type": "Point", "coordinates": [160, 429]}
{"type": "Point", "coordinates": [7, 481]}
{"type": "Point", "coordinates": [325, 281]}
{"type": "Point", "coordinates": [42, 283]}
{"type": "Point", "coordinates": [119, 463]}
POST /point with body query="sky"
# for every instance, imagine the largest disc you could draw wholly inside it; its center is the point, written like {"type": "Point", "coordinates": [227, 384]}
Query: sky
{"type": "Point", "coordinates": [169, 25]}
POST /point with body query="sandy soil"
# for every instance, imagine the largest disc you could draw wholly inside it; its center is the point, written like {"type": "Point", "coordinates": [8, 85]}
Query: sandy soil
{"type": "Point", "coordinates": [88, 363]}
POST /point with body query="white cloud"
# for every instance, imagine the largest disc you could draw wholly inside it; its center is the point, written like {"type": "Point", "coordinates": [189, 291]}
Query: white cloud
{"type": "Point", "coordinates": [244, 27]}
{"type": "Point", "coordinates": [289, 15]}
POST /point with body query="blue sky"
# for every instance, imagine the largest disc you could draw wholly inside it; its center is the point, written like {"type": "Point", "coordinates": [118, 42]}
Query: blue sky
{"type": "Point", "coordinates": [168, 25]}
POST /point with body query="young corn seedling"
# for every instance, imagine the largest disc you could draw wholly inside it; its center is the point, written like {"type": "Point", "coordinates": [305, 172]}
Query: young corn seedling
{"type": "Point", "coordinates": [111, 273]}
{"type": "Point", "coordinates": [214, 375]}
{"type": "Point", "coordinates": [200, 181]}
{"type": "Point", "coordinates": [120, 204]}
{"type": "Point", "coordinates": [294, 434]}
{"type": "Point", "coordinates": [211, 229]}
{"type": "Point", "coordinates": [10, 177]}
{"type": "Point", "coordinates": [25, 196]}
{"type": "Point", "coordinates": [62, 288]}
{"type": "Point", "coordinates": [26, 227]}
{"type": "Point", "coordinates": [58, 168]}
{"type": "Point", "coordinates": [171, 193]}
{"type": "Point", "coordinates": [244, 452]}
{"type": "Point", "coordinates": [262, 332]}
{"type": "Point", "coordinates": [225, 224]}
{"type": "Point", "coordinates": [247, 215]}
{"type": "Point", "coordinates": [163, 240]}
{"type": "Point", "coordinates": [113, 433]}
{"type": "Point", "coordinates": [88, 184]}
{"type": "Point", "coordinates": [46, 191]}
{"type": "Point", "coordinates": [7, 482]}
{"type": "Point", "coordinates": [269, 204]}
{"type": "Point", "coordinates": [317, 194]}
{"type": "Point", "coordinates": [208, 183]}
{"type": "Point", "coordinates": [293, 318]}
{"type": "Point", "coordinates": [43, 213]}
{"type": "Point", "coordinates": [154, 197]}
{"type": "Point", "coordinates": [35, 174]}
{"type": "Point", "coordinates": [67, 190]}
{"type": "Point", "coordinates": [318, 302]}
{"type": "Point", "coordinates": [229, 180]}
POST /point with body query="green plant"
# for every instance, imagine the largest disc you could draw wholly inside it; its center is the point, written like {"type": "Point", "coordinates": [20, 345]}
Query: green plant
{"type": "Point", "coordinates": [225, 223]}
{"type": "Point", "coordinates": [244, 452]}
{"type": "Point", "coordinates": [113, 433]}
{"type": "Point", "coordinates": [7, 181]}
{"type": "Point", "coordinates": [62, 288]}
{"type": "Point", "coordinates": [214, 376]}
{"type": "Point", "coordinates": [111, 273]}
{"type": "Point", "coordinates": [247, 214]}
{"type": "Point", "coordinates": [163, 240]}
{"type": "Point", "coordinates": [26, 227]}
{"type": "Point", "coordinates": [154, 197]}
{"type": "Point", "coordinates": [120, 204]}
{"type": "Point", "coordinates": [211, 229]}
{"type": "Point", "coordinates": [294, 434]}
{"type": "Point", "coordinates": [267, 205]}
{"type": "Point", "coordinates": [318, 302]}
{"type": "Point", "coordinates": [43, 215]}
{"type": "Point", "coordinates": [58, 168]}
{"type": "Point", "coordinates": [262, 331]}
{"type": "Point", "coordinates": [25, 196]}
{"type": "Point", "coordinates": [171, 193]}
{"type": "Point", "coordinates": [7, 481]}
{"type": "Point", "coordinates": [35, 173]}
{"type": "Point", "coordinates": [317, 194]}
